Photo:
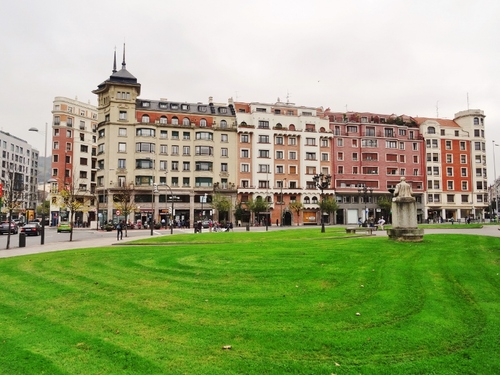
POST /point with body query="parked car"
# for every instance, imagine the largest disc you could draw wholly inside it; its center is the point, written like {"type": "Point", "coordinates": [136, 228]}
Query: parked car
{"type": "Point", "coordinates": [4, 228]}
{"type": "Point", "coordinates": [32, 229]}
{"type": "Point", "coordinates": [64, 227]}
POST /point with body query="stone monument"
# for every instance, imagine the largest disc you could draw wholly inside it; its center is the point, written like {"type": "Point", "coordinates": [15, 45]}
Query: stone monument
{"type": "Point", "coordinates": [404, 215]}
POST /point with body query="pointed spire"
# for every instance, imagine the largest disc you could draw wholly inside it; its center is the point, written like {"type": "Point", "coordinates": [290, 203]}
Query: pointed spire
{"type": "Point", "coordinates": [124, 65]}
{"type": "Point", "coordinates": [114, 62]}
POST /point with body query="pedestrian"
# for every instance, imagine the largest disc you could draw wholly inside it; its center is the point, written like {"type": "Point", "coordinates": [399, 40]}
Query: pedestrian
{"type": "Point", "coordinates": [119, 231]}
{"type": "Point", "coordinates": [381, 223]}
{"type": "Point", "coordinates": [360, 222]}
{"type": "Point", "coordinates": [163, 223]}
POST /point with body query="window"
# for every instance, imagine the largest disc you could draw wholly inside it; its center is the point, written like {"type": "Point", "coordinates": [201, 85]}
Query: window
{"type": "Point", "coordinates": [264, 168]}
{"type": "Point", "coordinates": [145, 119]}
{"type": "Point", "coordinates": [340, 156]}
{"type": "Point", "coordinates": [122, 115]}
{"type": "Point", "coordinates": [244, 138]}
{"type": "Point", "coordinates": [186, 122]}
{"type": "Point", "coordinates": [203, 123]}
{"type": "Point", "coordinates": [224, 138]}
{"type": "Point", "coordinates": [186, 150]}
{"type": "Point", "coordinates": [263, 153]}
{"type": "Point", "coordinates": [310, 141]}
{"type": "Point", "coordinates": [186, 136]}
{"type": "Point", "coordinates": [279, 140]}
{"type": "Point", "coordinates": [340, 142]}
{"type": "Point", "coordinates": [175, 135]}
{"type": "Point", "coordinates": [175, 165]}
{"type": "Point", "coordinates": [463, 172]}
{"type": "Point", "coordinates": [340, 169]}
{"type": "Point", "coordinates": [122, 163]}
{"type": "Point", "coordinates": [163, 120]}
{"type": "Point", "coordinates": [163, 149]}
{"type": "Point", "coordinates": [355, 156]}
{"type": "Point", "coordinates": [292, 141]}
{"type": "Point", "coordinates": [352, 129]}
{"type": "Point", "coordinates": [449, 158]}
{"type": "Point", "coordinates": [263, 124]}
{"type": "Point", "coordinates": [68, 133]}
{"type": "Point", "coordinates": [465, 187]}
{"type": "Point", "coordinates": [369, 143]}
{"type": "Point", "coordinates": [163, 134]}
{"type": "Point", "coordinates": [280, 169]}
{"type": "Point", "coordinates": [431, 130]}
{"type": "Point", "coordinates": [204, 150]}
{"type": "Point", "coordinates": [185, 166]}
{"type": "Point", "coordinates": [224, 152]}
{"type": "Point", "coordinates": [450, 198]}
{"type": "Point", "coordinates": [204, 136]}
{"type": "Point", "coordinates": [144, 147]}
{"type": "Point", "coordinates": [175, 120]}
{"type": "Point", "coordinates": [144, 132]}
{"type": "Point", "coordinates": [292, 155]}
{"type": "Point", "coordinates": [355, 170]}
{"type": "Point", "coordinates": [310, 156]}
{"type": "Point", "coordinates": [122, 147]}
{"type": "Point", "coordinates": [324, 142]}
{"type": "Point", "coordinates": [463, 159]}
{"type": "Point", "coordinates": [245, 167]}
{"type": "Point", "coordinates": [324, 156]}
{"type": "Point", "coordinates": [245, 154]}
{"type": "Point", "coordinates": [100, 148]}
{"type": "Point", "coordinates": [448, 145]}
{"type": "Point", "coordinates": [84, 148]}
{"type": "Point", "coordinates": [449, 172]}
{"type": "Point", "coordinates": [391, 144]}
{"type": "Point", "coordinates": [279, 154]}
{"type": "Point", "coordinates": [263, 139]}
{"type": "Point", "coordinates": [175, 150]}
{"type": "Point", "coordinates": [122, 132]}
{"type": "Point", "coordinates": [462, 146]}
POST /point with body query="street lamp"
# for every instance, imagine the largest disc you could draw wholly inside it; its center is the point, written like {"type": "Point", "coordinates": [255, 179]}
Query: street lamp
{"type": "Point", "coordinates": [364, 192]}
{"type": "Point", "coordinates": [42, 237]}
{"type": "Point", "coordinates": [281, 207]}
{"type": "Point", "coordinates": [322, 182]}
{"type": "Point", "coordinates": [495, 175]}
{"type": "Point", "coordinates": [171, 213]}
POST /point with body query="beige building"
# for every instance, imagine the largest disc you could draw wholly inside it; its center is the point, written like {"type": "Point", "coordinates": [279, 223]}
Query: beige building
{"type": "Point", "coordinates": [162, 149]}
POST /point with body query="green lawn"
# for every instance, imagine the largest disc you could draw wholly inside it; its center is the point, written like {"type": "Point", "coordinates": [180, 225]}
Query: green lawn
{"type": "Point", "coordinates": [287, 302]}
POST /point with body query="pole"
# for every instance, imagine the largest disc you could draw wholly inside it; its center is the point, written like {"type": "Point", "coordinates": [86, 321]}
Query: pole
{"type": "Point", "coordinates": [495, 175]}
{"type": "Point", "coordinates": [42, 237]}
{"type": "Point", "coordinates": [152, 208]}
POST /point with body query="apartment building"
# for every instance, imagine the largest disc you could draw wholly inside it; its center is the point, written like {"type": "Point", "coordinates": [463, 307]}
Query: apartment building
{"type": "Point", "coordinates": [163, 150]}
{"type": "Point", "coordinates": [281, 148]}
{"type": "Point", "coordinates": [455, 166]}
{"type": "Point", "coordinates": [370, 154]}
{"type": "Point", "coordinates": [73, 148]}
{"type": "Point", "coordinates": [19, 170]}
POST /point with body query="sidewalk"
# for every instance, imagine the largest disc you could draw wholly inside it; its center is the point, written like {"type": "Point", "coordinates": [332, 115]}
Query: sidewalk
{"type": "Point", "coordinates": [97, 241]}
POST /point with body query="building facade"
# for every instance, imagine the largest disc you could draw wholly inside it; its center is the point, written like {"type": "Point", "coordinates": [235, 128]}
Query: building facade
{"type": "Point", "coordinates": [163, 151]}
{"type": "Point", "coordinates": [73, 165]}
{"type": "Point", "coordinates": [19, 169]}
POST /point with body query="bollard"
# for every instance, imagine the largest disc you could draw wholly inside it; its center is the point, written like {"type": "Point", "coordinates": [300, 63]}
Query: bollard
{"type": "Point", "coordinates": [22, 239]}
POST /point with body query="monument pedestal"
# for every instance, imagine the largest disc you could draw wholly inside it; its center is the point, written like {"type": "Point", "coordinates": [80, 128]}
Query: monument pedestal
{"type": "Point", "coordinates": [404, 221]}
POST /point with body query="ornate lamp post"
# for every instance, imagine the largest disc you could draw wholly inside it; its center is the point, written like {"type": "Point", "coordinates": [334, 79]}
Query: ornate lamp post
{"type": "Point", "coordinates": [364, 193]}
{"type": "Point", "coordinates": [42, 237]}
{"type": "Point", "coordinates": [322, 182]}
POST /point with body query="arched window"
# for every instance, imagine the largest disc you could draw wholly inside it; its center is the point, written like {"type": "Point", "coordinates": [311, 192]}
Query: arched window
{"type": "Point", "coordinates": [223, 124]}
{"type": "Point", "coordinates": [243, 123]}
{"type": "Point", "coordinates": [145, 119]}
{"type": "Point", "coordinates": [315, 200]}
{"type": "Point", "coordinates": [175, 121]}
{"type": "Point", "coordinates": [186, 122]}
{"type": "Point", "coordinates": [278, 126]}
{"type": "Point", "coordinates": [476, 120]}
{"type": "Point", "coordinates": [431, 130]}
{"type": "Point", "coordinates": [291, 127]}
{"type": "Point", "coordinates": [163, 120]}
{"type": "Point", "coordinates": [307, 200]}
{"type": "Point", "coordinates": [203, 122]}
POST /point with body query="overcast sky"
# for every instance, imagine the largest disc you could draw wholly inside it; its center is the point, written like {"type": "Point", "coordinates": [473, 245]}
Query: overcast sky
{"type": "Point", "coordinates": [419, 58]}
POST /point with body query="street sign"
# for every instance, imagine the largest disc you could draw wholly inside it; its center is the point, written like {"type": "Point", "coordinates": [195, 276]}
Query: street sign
{"type": "Point", "coordinates": [118, 212]}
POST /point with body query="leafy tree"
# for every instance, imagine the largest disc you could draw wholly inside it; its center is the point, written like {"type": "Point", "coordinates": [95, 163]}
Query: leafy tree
{"type": "Point", "coordinates": [123, 200]}
{"type": "Point", "coordinates": [297, 207]}
{"type": "Point", "coordinates": [12, 197]}
{"type": "Point", "coordinates": [328, 205]}
{"type": "Point", "coordinates": [239, 211]}
{"type": "Point", "coordinates": [257, 205]}
{"type": "Point", "coordinates": [70, 198]}
{"type": "Point", "coordinates": [222, 204]}
{"type": "Point", "coordinates": [45, 206]}
{"type": "Point", "coordinates": [385, 204]}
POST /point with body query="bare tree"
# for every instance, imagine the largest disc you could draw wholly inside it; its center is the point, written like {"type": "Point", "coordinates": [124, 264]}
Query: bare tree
{"type": "Point", "coordinates": [123, 200]}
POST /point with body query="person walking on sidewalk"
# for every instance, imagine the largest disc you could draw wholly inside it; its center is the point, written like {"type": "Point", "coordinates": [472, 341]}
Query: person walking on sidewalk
{"type": "Point", "coordinates": [119, 231]}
